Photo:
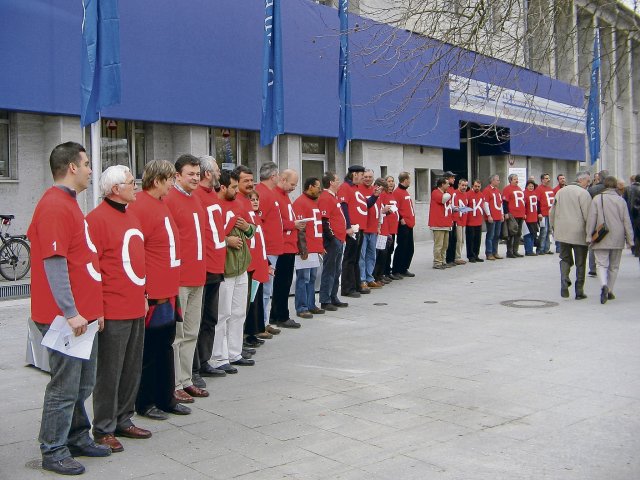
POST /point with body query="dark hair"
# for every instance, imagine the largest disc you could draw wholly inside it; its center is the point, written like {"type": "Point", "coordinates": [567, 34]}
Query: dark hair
{"type": "Point", "coordinates": [327, 178]}
{"type": "Point", "coordinates": [226, 176]}
{"type": "Point", "coordinates": [62, 155]}
{"type": "Point", "coordinates": [544, 175]}
{"type": "Point", "coordinates": [310, 182]}
{"type": "Point", "coordinates": [637, 178]}
{"type": "Point", "coordinates": [186, 159]}
{"type": "Point", "coordinates": [560, 175]}
{"type": "Point", "coordinates": [610, 182]}
{"type": "Point", "coordinates": [254, 193]}
{"type": "Point", "coordinates": [532, 183]}
{"type": "Point", "coordinates": [476, 181]}
{"type": "Point", "coordinates": [242, 169]}
{"type": "Point", "coordinates": [441, 181]}
{"type": "Point", "coordinates": [403, 176]}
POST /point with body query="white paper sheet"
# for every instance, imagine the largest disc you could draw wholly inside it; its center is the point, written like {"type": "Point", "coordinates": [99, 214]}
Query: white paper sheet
{"type": "Point", "coordinates": [312, 261]}
{"type": "Point", "coordinates": [60, 337]}
{"type": "Point", "coordinates": [381, 242]}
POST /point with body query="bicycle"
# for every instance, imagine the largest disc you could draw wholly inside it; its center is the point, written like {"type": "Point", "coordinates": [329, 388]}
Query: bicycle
{"type": "Point", "coordinates": [15, 252]}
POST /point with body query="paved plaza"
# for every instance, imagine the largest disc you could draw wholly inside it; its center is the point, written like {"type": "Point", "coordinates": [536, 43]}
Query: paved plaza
{"type": "Point", "coordinates": [429, 378]}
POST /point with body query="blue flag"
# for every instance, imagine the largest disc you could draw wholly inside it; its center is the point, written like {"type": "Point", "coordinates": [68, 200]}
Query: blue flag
{"type": "Point", "coordinates": [593, 108]}
{"type": "Point", "coordinates": [344, 84]}
{"type": "Point", "coordinates": [272, 123]}
{"type": "Point", "coordinates": [100, 68]}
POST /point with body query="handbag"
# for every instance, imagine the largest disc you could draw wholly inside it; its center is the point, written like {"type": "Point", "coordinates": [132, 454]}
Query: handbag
{"type": "Point", "coordinates": [601, 230]}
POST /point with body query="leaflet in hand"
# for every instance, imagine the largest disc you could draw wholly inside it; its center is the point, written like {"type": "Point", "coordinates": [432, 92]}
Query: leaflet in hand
{"type": "Point", "coordinates": [60, 337]}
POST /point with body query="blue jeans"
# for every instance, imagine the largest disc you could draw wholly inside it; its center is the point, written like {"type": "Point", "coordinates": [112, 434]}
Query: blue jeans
{"type": "Point", "coordinates": [305, 289]}
{"type": "Point", "coordinates": [528, 243]}
{"type": "Point", "coordinates": [367, 260]}
{"type": "Point", "coordinates": [267, 290]}
{"type": "Point", "coordinates": [64, 418]}
{"type": "Point", "coordinates": [493, 238]}
{"type": "Point", "coordinates": [544, 236]}
{"type": "Point", "coordinates": [331, 269]}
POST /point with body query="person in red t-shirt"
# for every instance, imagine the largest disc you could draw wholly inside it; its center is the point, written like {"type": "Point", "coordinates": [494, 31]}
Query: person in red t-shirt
{"type": "Point", "coordinates": [458, 200]}
{"type": "Point", "coordinates": [367, 260]}
{"type": "Point", "coordinates": [404, 248]}
{"type": "Point", "coordinates": [118, 238]}
{"type": "Point", "coordinates": [216, 249]}
{"type": "Point", "coordinates": [283, 278]}
{"type": "Point", "coordinates": [532, 215]}
{"type": "Point", "coordinates": [354, 208]}
{"type": "Point", "coordinates": [545, 196]}
{"type": "Point", "coordinates": [514, 213]}
{"type": "Point", "coordinates": [383, 232]}
{"type": "Point", "coordinates": [494, 217]}
{"type": "Point", "coordinates": [273, 232]}
{"type": "Point", "coordinates": [334, 233]}
{"type": "Point", "coordinates": [310, 245]}
{"type": "Point", "coordinates": [391, 222]}
{"type": "Point", "coordinates": [162, 266]}
{"type": "Point", "coordinates": [189, 216]}
{"type": "Point", "coordinates": [473, 228]}
{"type": "Point", "coordinates": [66, 281]}
{"type": "Point", "coordinates": [440, 221]}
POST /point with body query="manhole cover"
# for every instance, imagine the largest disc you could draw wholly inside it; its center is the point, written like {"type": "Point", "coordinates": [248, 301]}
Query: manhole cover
{"type": "Point", "coordinates": [528, 303]}
{"type": "Point", "coordinates": [431, 301]}
{"type": "Point", "coordinates": [380, 304]}
{"type": "Point", "coordinates": [34, 464]}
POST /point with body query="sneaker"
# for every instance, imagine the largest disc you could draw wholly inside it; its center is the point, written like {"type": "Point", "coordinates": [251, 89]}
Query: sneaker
{"type": "Point", "coordinates": [66, 466]}
{"type": "Point", "coordinates": [273, 330]}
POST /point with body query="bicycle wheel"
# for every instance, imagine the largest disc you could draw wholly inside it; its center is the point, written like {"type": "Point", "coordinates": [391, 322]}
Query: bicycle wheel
{"type": "Point", "coordinates": [15, 259]}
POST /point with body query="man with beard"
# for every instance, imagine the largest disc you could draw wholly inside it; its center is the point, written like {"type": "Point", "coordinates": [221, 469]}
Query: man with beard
{"type": "Point", "coordinates": [473, 229]}
{"type": "Point", "coordinates": [514, 214]}
{"type": "Point", "coordinates": [404, 249]}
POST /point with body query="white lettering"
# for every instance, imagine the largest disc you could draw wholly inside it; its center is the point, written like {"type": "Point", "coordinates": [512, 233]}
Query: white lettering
{"type": "Point", "coordinates": [173, 260]}
{"type": "Point", "coordinates": [90, 268]}
{"type": "Point", "coordinates": [217, 242]}
{"type": "Point", "coordinates": [549, 195]}
{"type": "Point", "coordinates": [362, 201]}
{"type": "Point", "coordinates": [518, 196]}
{"type": "Point", "coordinates": [258, 232]}
{"type": "Point", "coordinates": [533, 203]}
{"type": "Point", "coordinates": [496, 199]}
{"type": "Point", "coordinates": [196, 220]}
{"type": "Point", "coordinates": [126, 256]}
{"type": "Point", "coordinates": [477, 207]}
{"type": "Point", "coordinates": [317, 223]}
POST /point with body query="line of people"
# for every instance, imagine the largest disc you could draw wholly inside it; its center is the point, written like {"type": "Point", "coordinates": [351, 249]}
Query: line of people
{"type": "Point", "coordinates": [187, 277]}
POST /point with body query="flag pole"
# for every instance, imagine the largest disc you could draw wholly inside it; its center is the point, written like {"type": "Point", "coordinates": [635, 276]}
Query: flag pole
{"type": "Point", "coordinates": [96, 161]}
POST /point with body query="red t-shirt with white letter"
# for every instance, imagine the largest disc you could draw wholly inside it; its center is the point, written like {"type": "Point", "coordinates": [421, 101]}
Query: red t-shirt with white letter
{"type": "Point", "coordinates": [305, 207]}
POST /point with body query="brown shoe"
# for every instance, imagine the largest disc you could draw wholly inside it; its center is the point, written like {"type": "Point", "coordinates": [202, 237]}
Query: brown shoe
{"type": "Point", "coordinates": [273, 330]}
{"type": "Point", "coordinates": [490, 257]}
{"type": "Point", "coordinates": [183, 397]}
{"type": "Point", "coordinates": [364, 287]}
{"type": "Point", "coordinates": [374, 285]}
{"type": "Point", "coordinates": [497, 257]}
{"type": "Point", "coordinates": [133, 432]}
{"type": "Point", "coordinates": [265, 335]}
{"type": "Point", "coordinates": [110, 441]}
{"type": "Point", "coordinates": [195, 391]}
{"type": "Point", "coordinates": [460, 262]}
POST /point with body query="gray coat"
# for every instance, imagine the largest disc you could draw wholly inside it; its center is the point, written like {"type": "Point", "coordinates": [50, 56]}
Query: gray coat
{"type": "Point", "coordinates": [568, 215]}
{"type": "Point", "coordinates": [616, 216]}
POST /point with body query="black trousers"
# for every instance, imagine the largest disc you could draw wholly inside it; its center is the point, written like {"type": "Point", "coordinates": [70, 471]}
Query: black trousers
{"type": "Point", "coordinates": [513, 238]}
{"type": "Point", "coordinates": [210, 294]}
{"type": "Point", "coordinates": [281, 287]}
{"type": "Point", "coordinates": [381, 262]}
{"type": "Point", "coordinates": [350, 280]}
{"type": "Point", "coordinates": [254, 322]}
{"type": "Point", "coordinates": [390, 248]}
{"type": "Point", "coordinates": [474, 238]}
{"type": "Point", "coordinates": [157, 381]}
{"type": "Point", "coordinates": [451, 248]}
{"type": "Point", "coordinates": [404, 250]}
{"type": "Point", "coordinates": [573, 255]}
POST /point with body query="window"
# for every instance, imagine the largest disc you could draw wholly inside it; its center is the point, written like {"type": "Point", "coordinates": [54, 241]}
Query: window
{"type": "Point", "coordinates": [123, 143]}
{"type": "Point", "coordinates": [423, 192]}
{"type": "Point", "coordinates": [383, 171]}
{"type": "Point", "coordinates": [5, 151]}
{"type": "Point", "coordinates": [229, 147]}
{"type": "Point", "coordinates": [314, 157]}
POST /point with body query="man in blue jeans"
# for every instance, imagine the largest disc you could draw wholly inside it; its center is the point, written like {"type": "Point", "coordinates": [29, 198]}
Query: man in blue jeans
{"type": "Point", "coordinates": [65, 282]}
{"type": "Point", "coordinates": [367, 260]}
{"type": "Point", "coordinates": [494, 217]}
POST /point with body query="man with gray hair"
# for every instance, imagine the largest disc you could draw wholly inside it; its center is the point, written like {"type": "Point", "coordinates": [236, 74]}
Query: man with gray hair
{"type": "Point", "coordinates": [568, 217]}
{"type": "Point", "coordinates": [117, 235]}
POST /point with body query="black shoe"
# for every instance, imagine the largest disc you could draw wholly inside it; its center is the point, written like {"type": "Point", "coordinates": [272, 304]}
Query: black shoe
{"type": "Point", "coordinates": [198, 381]}
{"type": "Point", "coordinates": [593, 274]}
{"type": "Point", "coordinates": [604, 295]}
{"type": "Point", "coordinates": [246, 355]}
{"type": "Point", "coordinates": [473, 260]}
{"type": "Point", "coordinates": [253, 342]}
{"type": "Point", "coordinates": [206, 370]}
{"type": "Point", "coordinates": [91, 450]}
{"type": "Point", "coordinates": [611, 296]}
{"type": "Point", "coordinates": [317, 311]}
{"type": "Point", "coordinates": [510, 255]}
{"type": "Point", "coordinates": [340, 304]}
{"type": "Point", "coordinates": [408, 274]}
{"type": "Point", "coordinates": [66, 466]}
{"type": "Point", "coordinates": [580, 296]}
{"type": "Point", "coordinates": [250, 351]}
{"type": "Point", "coordinates": [329, 307]}
{"type": "Point", "coordinates": [247, 347]}
{"type": "Point", "coordinates": [179, 409]}
{"type": "Point", "coordinates": [395, 276]}
{"type": "Point", "coordinates": [530, 254]}
{"type": "Point", "coordinates": [244, 362]}
{"type": "Point", "coordinates": [154, 413]}
{"type": "Point", "coordinates": [289, 323]}
{"type": "Point", "coordinates": [479, 260]}
{"type": "Point", "coordinates": [564, 292]}
{"type": "Point", "coordinates": [518, 255]}
{"type": "Point", "coordinates": [364, 291]}
{"type": "Point", "coordinates": [228, 368]}
{"type": "Point", "coordinates": [351, 295]}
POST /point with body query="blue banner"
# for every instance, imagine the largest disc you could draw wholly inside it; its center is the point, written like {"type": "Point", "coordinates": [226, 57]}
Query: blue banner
{"type": "Point", "coordinates": [100, 81]}
{"type": "Point", "coordinates": [593, 108]}
{"type": "Point", "coordinates": [344, 84]}
{"type": "Point", "coordinates": [272, 122]}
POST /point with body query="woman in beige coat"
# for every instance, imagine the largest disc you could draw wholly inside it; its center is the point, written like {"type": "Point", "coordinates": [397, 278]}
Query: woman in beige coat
{"type": "Point", "coordinates": [610, 208]}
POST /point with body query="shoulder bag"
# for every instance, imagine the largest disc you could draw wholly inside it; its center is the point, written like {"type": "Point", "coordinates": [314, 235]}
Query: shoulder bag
{"type": "Point", "coordinates": [601, 230]}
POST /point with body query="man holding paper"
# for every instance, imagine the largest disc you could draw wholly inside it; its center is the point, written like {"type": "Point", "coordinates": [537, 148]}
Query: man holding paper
{"type": "Point", "coordinates": [118, 239]}
{"type": "Point", "coordinates": [65, 281]}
